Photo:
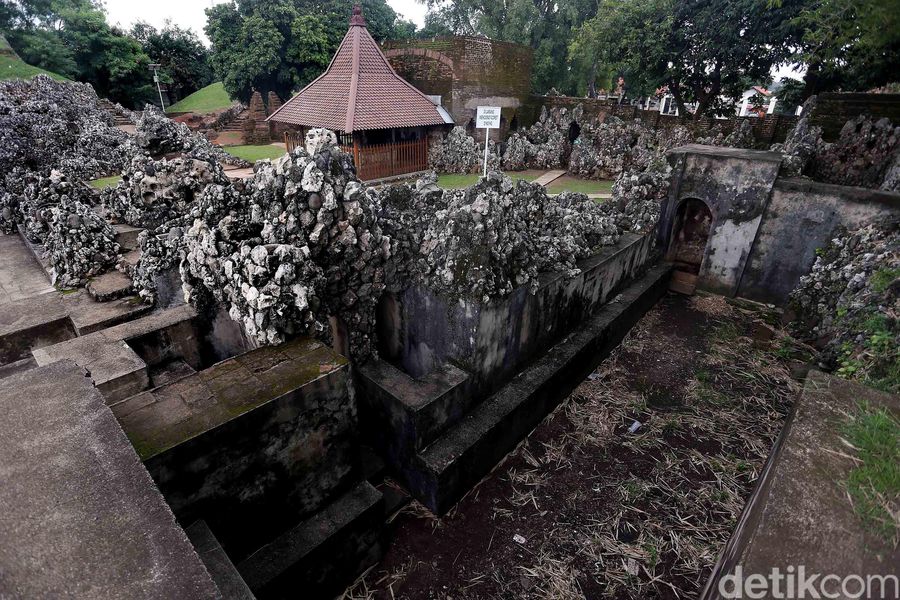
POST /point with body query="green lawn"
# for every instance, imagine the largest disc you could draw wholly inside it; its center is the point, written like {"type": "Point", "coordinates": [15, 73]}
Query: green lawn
{"type": "Point", "coordinates": [453, 181]}
{"type": "Point", "coordinates": [105, 182]}
{"type": "Point", "coordinates": [255, 153]}
{"type": "Point", "coordinates": [212, 97]}
{"type": "Point", "coordinates": [12, 67]}
{"type": "Point", "coordinates": [583, 186]}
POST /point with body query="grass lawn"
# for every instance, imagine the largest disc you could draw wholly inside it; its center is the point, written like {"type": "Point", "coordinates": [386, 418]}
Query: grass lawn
{"type": "Point", "coordinates": [212, 97]}
{"type": "Point", "coordinates": [567, 183]}
{"type": "Point", "coordinates": [874, 481]}
{"type": "Point", "coordinates": [452, 181]}
{"type": "Point", "coordinates": [255, 153]}
{"type": "Point", "coordinates": [14, 68]}
{"type": "Point", "coordinates": [105, 182]}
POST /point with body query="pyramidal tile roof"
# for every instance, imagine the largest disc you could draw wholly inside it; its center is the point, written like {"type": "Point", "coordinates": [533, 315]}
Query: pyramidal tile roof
{"type": "Point", "coordinates": [359, 90]}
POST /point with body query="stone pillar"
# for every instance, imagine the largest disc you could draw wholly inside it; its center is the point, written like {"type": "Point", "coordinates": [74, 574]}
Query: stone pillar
{"type": "Point", "coordinates": [256, 130]}
{"type": "Point", "coordinates": [276, 130]}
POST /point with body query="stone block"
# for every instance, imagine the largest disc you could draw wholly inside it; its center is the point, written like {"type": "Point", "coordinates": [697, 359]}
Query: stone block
{"type": "Point", "coordinates": [82, 518]}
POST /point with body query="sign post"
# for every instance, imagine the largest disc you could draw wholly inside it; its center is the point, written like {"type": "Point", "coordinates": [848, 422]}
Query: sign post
{"type": "Point", "coordinates": [487, 118]}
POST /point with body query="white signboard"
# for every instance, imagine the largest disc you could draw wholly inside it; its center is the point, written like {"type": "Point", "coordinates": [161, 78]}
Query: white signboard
{"type": "Point", "coordinates": [488, 117]}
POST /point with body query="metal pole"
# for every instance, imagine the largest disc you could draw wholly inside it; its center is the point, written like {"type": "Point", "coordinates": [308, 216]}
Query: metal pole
{"type": "Point", "coordinates": [162, 104]}
{"type": "Point", "coordinates": [487, 134]}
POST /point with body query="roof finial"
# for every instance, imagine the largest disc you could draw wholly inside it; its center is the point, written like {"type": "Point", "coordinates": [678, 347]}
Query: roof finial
{"type": "Point", "coordinates": [357, 18]}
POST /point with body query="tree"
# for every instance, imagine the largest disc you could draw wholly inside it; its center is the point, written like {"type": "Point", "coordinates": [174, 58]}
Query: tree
{"type": "Point", "coordinates": [183, 58]}
{"type": "Point", "coordinates": [702, 51]}
{"type": "Point", "coordinates": [853, 45]}
{"type": "Point", "coordinates": [71, 37]}
{"type": "Point", "coordinates": [281, 45]}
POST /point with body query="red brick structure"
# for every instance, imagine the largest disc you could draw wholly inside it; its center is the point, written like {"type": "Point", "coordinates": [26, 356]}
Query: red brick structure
{"type": "Point", "coordinates": [467, 72]}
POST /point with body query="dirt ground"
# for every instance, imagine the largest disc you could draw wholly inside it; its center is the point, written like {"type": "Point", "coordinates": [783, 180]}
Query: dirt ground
{"type": "Point", "coordinates": [586, 508]}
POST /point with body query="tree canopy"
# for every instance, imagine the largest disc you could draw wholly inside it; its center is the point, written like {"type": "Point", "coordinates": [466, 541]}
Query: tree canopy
{"type": "Point", "coordinates": [281, 45]}
{"type": "Point", "coordinates": [73, 38]}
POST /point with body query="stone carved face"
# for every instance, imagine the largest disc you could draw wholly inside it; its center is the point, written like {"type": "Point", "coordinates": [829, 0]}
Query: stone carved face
{"type": "Point", "coordinates": [317, 139]}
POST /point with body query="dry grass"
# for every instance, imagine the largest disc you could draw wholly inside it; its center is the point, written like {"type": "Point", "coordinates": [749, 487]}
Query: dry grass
{"type": "Point", "coordinates": [646, 513]}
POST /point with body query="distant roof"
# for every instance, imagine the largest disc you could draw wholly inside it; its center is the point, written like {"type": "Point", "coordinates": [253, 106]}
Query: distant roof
{"type": "Point", "coordinates": [359, 90]}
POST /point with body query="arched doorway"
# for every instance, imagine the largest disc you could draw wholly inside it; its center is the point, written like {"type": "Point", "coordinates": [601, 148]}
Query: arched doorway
{"type": "Point", "coordinates": [687, 244]}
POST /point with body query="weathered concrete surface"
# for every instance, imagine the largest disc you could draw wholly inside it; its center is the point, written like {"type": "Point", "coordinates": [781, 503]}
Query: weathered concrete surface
{"type": "Point", "coordinates": [495, 341]}
{"type": "Point", "coordinates": [109, 286]}
{"type": "Point", "coordinates": [402, 414]}
{"type": "Point", "coordinates": [117, 370]}
{"type": "Point", "coordinates": [456, 461]}
{"type": "Point", "coordinates": [800, 513]}
{"type": "Point", "coordinates": [21, 276]}
{"type": "Point", "coordinates": [223, 572]}
{"type": "Point", "coordinates": [803, 216]}
{"type": "Point", "coordinates": [318, 554]}
{"type": "Point", "coordinates": [81, 516]}
{"type": "Point", "coordinates": [251, 444]}
{"type": "Point", "coordinates": [735, 185]}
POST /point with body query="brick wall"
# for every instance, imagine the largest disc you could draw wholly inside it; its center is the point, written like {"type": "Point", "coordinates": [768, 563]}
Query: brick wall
{"type": "Point", "coordinates": [832, 110]}
{"type": "Point", "coordinates": [467, 72]}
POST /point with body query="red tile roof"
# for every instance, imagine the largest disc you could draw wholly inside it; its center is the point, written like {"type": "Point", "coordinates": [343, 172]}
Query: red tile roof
{"type": "Point", "coordinates": [359, 90]}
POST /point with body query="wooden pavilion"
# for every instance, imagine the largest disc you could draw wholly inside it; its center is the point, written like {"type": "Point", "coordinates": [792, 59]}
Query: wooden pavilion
{"type": "Point", "coordinates": [379, 117]}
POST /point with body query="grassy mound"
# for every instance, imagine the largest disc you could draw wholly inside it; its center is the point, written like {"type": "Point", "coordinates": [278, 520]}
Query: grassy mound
{"type": "Point", "coordinates": [212, 97]}
{"type": "Point", "coordinates": [13, 67]}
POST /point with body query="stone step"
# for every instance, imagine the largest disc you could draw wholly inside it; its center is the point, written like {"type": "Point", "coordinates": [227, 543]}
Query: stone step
{"type": "Point", "coordinates": [444, 471]}
{"type": "Point", "coordinates": [223, 572]}
{"type": "Point", "coordinates": [317, 555]}
{"type": "Point", "coordinates": [127, 236]}
{"type": "Point", "coordinates": [127, 262]}
{"type": "Point", "coordinates": [109, 286]}
{"type": "Point", "coordinates": [412, 412]}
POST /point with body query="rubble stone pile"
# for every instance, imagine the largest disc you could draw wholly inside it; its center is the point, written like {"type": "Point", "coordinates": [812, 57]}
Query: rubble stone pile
{"type": "Point", "coordinates": [803, 143]}
{"type": "Point", "coordinates": [157, 134]}
{"type": "Point", "coordinates": [41, 194]}
{"type": "Point", "coordinates": [161, 193]}
{"type": "Point", "coordinates": [496, 236]}
{"type": "Point", "coordinates": [310, 247]}
{"type": "Point", "coordinates": [637, 196]}
{"type": "Point", "coordinates": [863, 155]}
{"type": "Point", "coordinates": [79, 243]}
{"type": "Point", "coordinates": [849, 305]}
{"type": "Point", "coordinates": [47, 124]}
{"type": "Point", "coordinates": [458, 152]}
{"type": "Point", "coordinates": [544, 145]}
{"type": "Point", "coordinates": [159, 253]}
{"type": "Point", "coordinates": [404, 213]}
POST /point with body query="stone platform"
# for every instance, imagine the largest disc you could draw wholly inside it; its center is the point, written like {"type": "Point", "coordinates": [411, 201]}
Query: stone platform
{"type": "Point", "coordinates": [800, 513]}
{"type": "Point", "coordinates": [82, 517]}
{"type": "Point", "coordinates": [442, 471]}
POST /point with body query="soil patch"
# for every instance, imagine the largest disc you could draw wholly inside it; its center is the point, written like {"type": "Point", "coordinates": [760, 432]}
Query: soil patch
{"type": "Point", "coordinates": [628, 490]}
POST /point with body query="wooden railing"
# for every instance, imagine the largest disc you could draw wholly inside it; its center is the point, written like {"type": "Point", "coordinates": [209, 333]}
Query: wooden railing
{"type": "Point", "coordinates": [379, 160]}
{"type": "Point", "coordinates": [388, 160]}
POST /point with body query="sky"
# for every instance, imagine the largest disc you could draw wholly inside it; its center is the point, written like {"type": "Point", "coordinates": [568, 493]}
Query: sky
{"type": "Point", "coordinates": [189, 13]}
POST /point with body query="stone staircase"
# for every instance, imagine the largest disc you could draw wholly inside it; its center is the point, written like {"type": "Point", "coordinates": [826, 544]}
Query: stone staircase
{"type": "Point", "coordinates": [119, 117]}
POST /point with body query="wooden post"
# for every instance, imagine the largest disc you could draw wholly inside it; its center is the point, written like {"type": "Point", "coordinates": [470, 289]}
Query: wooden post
{"type": "Point", "coordinates": [356, 157]}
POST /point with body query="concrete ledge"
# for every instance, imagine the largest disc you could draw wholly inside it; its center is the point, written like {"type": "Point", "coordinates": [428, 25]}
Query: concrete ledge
{"type": "Point", "coordinates": [81, 516]}
{"type": "Point", "coordinates": [454, 463]}
{"type": "Point", "coordinates": [321, 554]}
{"type": "Point", "coordinates": [402, 414]}
{"type": "Point", "coordinates": [116, 369]}
{"type": "Point", "coordinates": [799, 512]}
{"type": "Point", "coordinates": [223, 572]}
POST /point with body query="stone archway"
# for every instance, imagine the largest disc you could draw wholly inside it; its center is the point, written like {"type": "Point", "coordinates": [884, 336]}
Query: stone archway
{"type": "Point", "coordinates": [688, 241]}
